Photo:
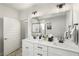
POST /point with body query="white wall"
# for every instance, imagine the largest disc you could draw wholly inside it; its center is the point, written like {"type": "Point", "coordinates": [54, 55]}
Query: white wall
{"type": "Point", "coordinates": [8, 12]}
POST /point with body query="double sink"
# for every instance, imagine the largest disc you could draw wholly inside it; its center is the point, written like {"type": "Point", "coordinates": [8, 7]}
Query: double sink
{"type": "Point", "coordinates": [67, 45]}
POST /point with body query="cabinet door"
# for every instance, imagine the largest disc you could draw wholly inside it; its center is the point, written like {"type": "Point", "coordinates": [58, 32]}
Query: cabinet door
{"type": "Point", "coordinates": [27, 49]}
{"type": "Point", "coordinates": [60, 52]}
{"type": "Point", "coordinates": [52, 52]}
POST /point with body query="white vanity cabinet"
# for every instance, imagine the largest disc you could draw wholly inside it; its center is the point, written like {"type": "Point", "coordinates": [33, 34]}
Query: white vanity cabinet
{"type": "Point", "coordinates": [60, 52]}
{"type": "Point", "coordinates": [27, 49]}
{"type": "Point", "coordinates": [33, 48]}
{"type": "Point", "coordinates": [30, 49]}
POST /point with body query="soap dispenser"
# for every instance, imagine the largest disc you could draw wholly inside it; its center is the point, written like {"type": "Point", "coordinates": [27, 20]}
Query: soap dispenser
{"type": "Point", "coordinates": [50, 37]}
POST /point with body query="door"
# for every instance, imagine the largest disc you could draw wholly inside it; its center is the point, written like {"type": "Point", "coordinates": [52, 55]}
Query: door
{"type": "Point", "coordinates": [11, 32]}
{"type": "Point", "coordinates": [24, 29]}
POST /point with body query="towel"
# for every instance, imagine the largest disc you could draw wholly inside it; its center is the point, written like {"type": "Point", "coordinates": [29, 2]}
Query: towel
{"type": "Point", "coordinates": [75, 36]}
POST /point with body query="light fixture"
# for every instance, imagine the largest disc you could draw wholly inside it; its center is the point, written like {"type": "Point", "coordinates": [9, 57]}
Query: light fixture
{"type": "Point", "coordinates": [34, 12]}
{"type": "Point", "coordinates": [60, 5]}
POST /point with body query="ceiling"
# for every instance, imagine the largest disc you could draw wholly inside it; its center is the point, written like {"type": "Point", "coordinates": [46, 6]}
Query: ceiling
{"type": "Point", "coordinates": [18, 6]}
{"type": "Point", "coordinates": [21, 6]}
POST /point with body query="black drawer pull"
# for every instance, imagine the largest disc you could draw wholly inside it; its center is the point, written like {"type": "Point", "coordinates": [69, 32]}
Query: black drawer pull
{"type": "Point", "coordinates": [39, 54]}
{"type": "Point", "coordinates": [27, 47]}
{"type": "Point", "coordinates": [40, 47]}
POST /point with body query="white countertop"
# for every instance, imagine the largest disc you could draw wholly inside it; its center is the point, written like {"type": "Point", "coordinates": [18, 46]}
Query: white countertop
{"type": "Point", "coordinates": [67, 45]}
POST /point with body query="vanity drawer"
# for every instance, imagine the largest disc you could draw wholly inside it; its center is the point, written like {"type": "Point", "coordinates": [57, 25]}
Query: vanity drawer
{"type": "Point", "coordinates": [60, 52]}
{"type": "Point", "coordinates": [39, 53]}
{"type": "Point", "coordinates": [40, 47]}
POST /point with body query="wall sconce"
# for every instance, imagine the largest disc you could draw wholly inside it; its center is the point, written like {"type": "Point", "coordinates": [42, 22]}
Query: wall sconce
{"type": "Point", "coordinates": [34, 12]}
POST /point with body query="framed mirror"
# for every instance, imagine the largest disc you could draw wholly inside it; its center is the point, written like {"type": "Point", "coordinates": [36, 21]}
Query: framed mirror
{"type": "Point", "coordinates": [35, 27]}
{"type": "Point", "coordinates": [48, 26]}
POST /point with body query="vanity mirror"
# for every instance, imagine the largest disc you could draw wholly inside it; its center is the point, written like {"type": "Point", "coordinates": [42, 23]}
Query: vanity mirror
{"type": "Point", "coordinates": [55, 24]}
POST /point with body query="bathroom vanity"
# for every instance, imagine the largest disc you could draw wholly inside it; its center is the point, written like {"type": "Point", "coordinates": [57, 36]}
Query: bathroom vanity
{"type": "Point", "coordinates": [44, 48]}
{"type": "Point", "coordinates": [55, 24]}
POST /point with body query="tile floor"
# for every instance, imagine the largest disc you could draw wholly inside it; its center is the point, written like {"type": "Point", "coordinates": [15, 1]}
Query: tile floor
{"type": "Point", "coordinates": [16, 53]}
{"type": "Point", "coordinates": [1, 54]}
